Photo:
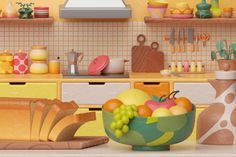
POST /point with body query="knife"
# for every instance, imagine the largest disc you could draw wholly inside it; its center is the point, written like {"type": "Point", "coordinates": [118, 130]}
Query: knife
{"type": "Point", "coordinates": [196, 47]}
{"type": "Point", "coordinates": [178, 41]}
{"type": "Point", "coordinates": [191, 39]}
{"type": "Point", "coordinates": [184, 49]}
{"type": "Point", "coordinates": [172, 41]}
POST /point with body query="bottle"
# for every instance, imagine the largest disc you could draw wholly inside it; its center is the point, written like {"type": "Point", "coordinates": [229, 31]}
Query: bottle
{"type": "Point", "coordinates": [179, 67]}
{"type": "Point", "coordinates": [192, 67]}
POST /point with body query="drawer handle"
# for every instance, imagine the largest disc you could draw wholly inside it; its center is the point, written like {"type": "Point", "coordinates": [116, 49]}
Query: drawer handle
{"type": "Point", "coordinates": [151, 83]}
{"type": "Point", "coordinates": [96, 83]}
{"type": "Point", "coordinates": [95, 109]}
{"type": "Point", "coordinates": [17, 83]}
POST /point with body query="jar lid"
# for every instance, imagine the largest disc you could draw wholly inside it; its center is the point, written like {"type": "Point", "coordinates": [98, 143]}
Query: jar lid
{"type": "Point", "coordinates": [39, 47]}
{"type": "Point", "coordinates": [98, 64]}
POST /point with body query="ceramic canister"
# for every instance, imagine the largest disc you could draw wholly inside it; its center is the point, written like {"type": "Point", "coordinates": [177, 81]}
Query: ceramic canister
{"type": "Point", "coordinates": [20, 63]}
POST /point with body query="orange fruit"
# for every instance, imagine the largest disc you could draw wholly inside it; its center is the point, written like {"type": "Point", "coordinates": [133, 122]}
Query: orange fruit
{"type": "Point", "coordinates": [144, 111]}
{"type": "Point", "coordinates": [111, 105]}
{"type": "Point", "coordinates": [185, 103]}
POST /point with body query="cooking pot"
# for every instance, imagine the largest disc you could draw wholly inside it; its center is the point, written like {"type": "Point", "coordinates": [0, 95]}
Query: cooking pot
{"type": "Point", "coordinates": [115, 66]}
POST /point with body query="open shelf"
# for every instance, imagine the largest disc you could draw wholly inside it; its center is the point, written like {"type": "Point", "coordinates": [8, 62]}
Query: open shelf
{"type": "Point", "coordinates": [34, 20]}
{"type": "Point", "coordinates": [149, 19]}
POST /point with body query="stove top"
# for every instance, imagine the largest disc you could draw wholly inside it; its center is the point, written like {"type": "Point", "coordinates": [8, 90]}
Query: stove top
{"type": "Point", "coordinates": [85, 74]}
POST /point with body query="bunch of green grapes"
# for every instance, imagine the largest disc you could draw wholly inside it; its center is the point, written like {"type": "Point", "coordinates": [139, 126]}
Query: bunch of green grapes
{"type": "Point", "coordinates": [122, 117]}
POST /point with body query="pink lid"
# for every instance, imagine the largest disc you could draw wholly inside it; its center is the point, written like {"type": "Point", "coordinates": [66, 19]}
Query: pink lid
{"type": "Point", "coordinates": [98, 64]}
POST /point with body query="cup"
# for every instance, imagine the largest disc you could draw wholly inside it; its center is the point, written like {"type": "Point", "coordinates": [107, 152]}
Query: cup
{"type": "Point", "coordinates": [54, 67]}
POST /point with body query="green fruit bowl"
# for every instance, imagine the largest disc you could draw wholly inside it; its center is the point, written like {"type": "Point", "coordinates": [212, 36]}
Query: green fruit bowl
{"type": "Point", "coordinates": [153, 134]}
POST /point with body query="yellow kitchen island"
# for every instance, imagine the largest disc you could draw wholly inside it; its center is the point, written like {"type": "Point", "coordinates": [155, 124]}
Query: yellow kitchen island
{"type": "Point", "coordinates": [52, 86]}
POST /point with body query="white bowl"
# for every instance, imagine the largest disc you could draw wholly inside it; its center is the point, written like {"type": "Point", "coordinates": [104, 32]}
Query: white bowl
{"type": "Point", "coordinates": [165, 72]}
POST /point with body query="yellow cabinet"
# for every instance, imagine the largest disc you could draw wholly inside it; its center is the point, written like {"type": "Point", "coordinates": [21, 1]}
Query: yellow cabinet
{"type": "Point", "coordinates": [93, 128]}
{"type": "Point", "coordinates": [28, 90]}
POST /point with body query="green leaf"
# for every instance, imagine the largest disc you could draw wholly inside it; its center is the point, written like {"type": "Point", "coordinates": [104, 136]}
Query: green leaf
{"type": "Point", "coordinates": [233, 46]}
{"type": "Point", "coordinates": [220, 46]}
{"type": "Point", "coordinates": [234, 55]}
{"type": "Point", "coordinates": [222, 53]}
{"type": "Point", "coordinates": [213, 55]}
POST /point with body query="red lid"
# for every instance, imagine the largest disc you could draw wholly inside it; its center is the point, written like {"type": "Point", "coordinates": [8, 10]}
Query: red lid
{"type": "Point", "coordinates": [98, 64]}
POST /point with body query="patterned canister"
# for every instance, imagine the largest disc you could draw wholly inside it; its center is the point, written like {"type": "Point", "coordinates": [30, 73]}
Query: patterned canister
{"type": "Point", "coordinates": [20, 63]}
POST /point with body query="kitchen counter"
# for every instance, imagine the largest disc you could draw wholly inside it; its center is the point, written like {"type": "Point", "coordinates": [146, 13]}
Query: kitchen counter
{"type": "Point", "coordinates": [175, 77]}
{"type": "Point", "coordinates": [133, 77]}
{"type": "Point", "coordinates": [185, 149]}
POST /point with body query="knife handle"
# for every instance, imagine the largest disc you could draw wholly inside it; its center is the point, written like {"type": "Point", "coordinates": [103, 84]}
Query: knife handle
{"type": "Point", "coordinates": [196, 48]}
{"type": "Point", "coordinates": [178, 48]}
{"type": "Point", "coordinates": [172, 48]}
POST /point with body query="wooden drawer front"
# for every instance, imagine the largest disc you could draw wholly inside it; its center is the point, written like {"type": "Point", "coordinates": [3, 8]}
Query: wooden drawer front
{"type": "Point", "coordinates": [92, 93]}
{"type": "Point", "coordinates": [198, 93]}
{"type": "Point", "coordinates": [28, 90]}
{"type": "Point", "coordinates": [154, 88]}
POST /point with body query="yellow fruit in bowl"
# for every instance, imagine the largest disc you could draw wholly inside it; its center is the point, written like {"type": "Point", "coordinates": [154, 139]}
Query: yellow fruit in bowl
{"type": "Point", "coordinates": [177, 110]}
{"type": "Point", "coordinates": [185, 103]}
{"type": "Point", "coordinates": [182, 6]}
{"type": "Point", "coordinates": [161, 112]}
{"type": "Point", "coordinates": [111, 105]}
{"type": "Point", "coordinates": [133, 97]}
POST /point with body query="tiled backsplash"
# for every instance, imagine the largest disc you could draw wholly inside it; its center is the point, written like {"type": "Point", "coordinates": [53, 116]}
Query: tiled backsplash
{"type": "Point", "coordinates": [111, 38]}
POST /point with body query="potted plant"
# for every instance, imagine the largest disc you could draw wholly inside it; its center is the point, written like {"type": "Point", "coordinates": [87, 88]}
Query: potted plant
{"type": "Point", "coordinates": [25, 10]}
{"type": "Point", "coordinates": [227, 52]}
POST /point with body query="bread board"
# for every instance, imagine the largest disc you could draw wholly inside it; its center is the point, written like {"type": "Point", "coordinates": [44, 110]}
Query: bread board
{"type": "Point", "coordinates": [77, 143]}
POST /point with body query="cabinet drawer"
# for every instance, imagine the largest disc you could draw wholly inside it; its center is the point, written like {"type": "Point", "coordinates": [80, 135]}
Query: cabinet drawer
{"type": "Point", "coordinates": [28, 90]}
{"type": "Point", "coordinates": [92, 93]}
{"type": "Point", "coordinates": [154, 88]}
{"type": "Point", "coordinates": [198, 93]}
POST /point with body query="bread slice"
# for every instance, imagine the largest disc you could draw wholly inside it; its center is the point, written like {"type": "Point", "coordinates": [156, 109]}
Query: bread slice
{"type": "Point", "coordinates": [15, 120]}
{"type": "Point", "coordinates": [54, 115]}
{"type": "Point", "coordinates": [65, 129]}
{"type": "Point", "coordinates": [41, 110]}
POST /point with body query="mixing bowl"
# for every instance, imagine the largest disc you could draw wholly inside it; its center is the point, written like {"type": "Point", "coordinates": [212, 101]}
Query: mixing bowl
{"type": "Point", "coordinates": [153, 134]}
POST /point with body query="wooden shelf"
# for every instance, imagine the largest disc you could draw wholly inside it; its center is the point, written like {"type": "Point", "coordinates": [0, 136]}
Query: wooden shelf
{"type": "Point", "coordinates": [34, 20]}
{"type": "Point", "coordinates": [149, 19]}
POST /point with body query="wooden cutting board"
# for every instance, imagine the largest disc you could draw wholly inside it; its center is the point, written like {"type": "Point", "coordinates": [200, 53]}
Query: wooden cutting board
{"type": "Point", "coordinates": [77, 143]}
{"type": "Point", "coordinates": [147, 58]}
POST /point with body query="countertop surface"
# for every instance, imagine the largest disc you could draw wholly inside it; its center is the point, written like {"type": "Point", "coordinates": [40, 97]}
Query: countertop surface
{"type": "Point", "coordinates": [133, 77]}
{"type": "Point", "coordinates": [112, 149]}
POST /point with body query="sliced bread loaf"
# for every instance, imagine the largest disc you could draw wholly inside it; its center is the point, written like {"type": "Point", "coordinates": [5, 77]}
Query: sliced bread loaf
{"type": "Point", "coordinates": [65, 129]}
{"type": "Point", "coordinates": [57, 112]}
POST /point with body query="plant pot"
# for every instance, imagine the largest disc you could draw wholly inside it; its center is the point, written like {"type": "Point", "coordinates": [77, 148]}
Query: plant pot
{"type": "Point", "coordinates": [227, 64]}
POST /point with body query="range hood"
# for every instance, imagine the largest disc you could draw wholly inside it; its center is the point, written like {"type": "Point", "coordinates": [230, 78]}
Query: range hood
{"type": "Point", "coordinates": [96, 9]}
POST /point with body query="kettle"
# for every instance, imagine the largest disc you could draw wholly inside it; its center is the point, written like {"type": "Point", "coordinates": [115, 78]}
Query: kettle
{"type": "Point", "coordinates": [73, 59]}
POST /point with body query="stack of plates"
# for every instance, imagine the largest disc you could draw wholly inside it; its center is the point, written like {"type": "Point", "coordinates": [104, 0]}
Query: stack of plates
{"type": "Point", "coordinates": [41, 12]}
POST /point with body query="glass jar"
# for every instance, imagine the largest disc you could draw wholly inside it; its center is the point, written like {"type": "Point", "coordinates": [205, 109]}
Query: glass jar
{"type": "Point", "coordinates": [39, 53]}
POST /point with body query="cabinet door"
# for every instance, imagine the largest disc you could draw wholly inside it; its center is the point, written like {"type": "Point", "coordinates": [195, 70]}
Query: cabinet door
{"type": "Point", "coordinates": [198, 93]}
{"type": "Point", "coordinates": [28, 90]}
{"type": "Point", "coordinates": [93, 93]}
{"type": "Point", "coordinates": [154, 88]}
